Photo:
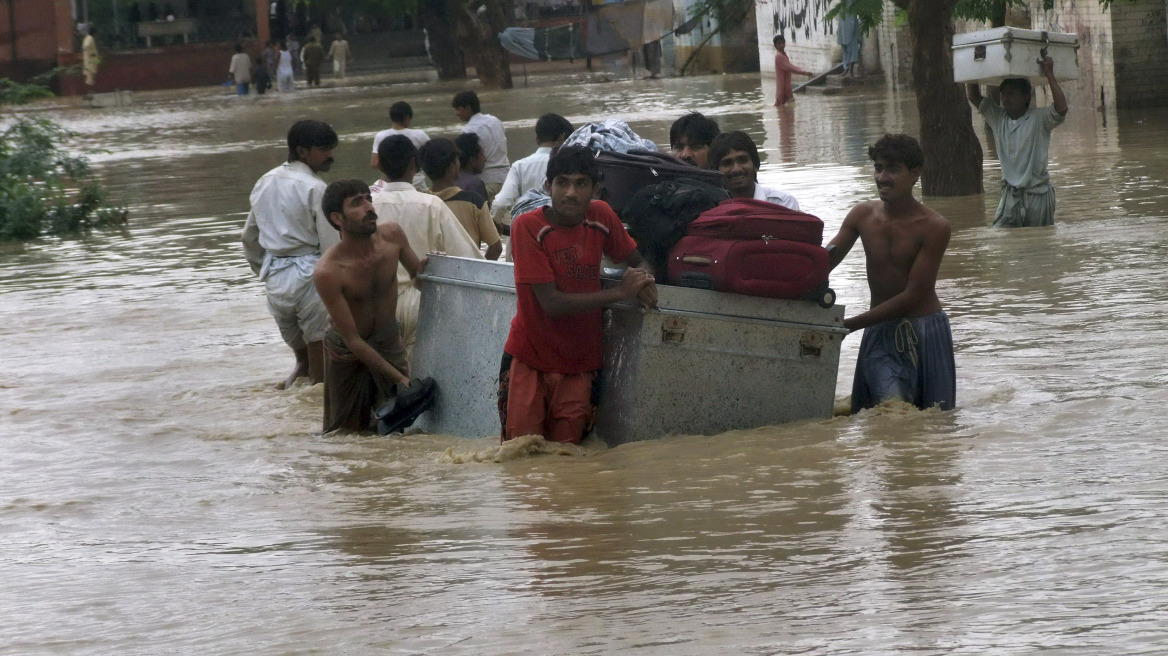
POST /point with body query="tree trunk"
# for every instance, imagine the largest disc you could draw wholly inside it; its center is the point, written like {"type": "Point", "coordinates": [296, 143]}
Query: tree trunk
{"type": "Point", "coordinates": [480, 38]}
{"type": "Point", "coordinates": [440, 26]}
{"type": "Point", "coordinates": [953, 157]}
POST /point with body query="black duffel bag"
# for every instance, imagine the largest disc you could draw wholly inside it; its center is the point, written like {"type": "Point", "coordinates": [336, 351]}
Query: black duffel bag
{"type": "Point", "coordinates": [658, 216]}
{"type": "Point", "coordinates": [623, 174]}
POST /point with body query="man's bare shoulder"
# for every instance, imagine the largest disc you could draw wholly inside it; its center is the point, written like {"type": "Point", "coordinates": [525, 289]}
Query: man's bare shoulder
{"type": "Point", "coordinates": [932, 221]}
{"type": "Point", "coordinates": [390, 231]}
{"type": "Point", "coordinates": [327, 265]}
{"type": "Point", "coordinates": [864, 212]}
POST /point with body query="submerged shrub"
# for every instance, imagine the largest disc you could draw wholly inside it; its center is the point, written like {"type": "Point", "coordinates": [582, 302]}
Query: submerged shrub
{"type": "Point", "coordinates": [43, 189]}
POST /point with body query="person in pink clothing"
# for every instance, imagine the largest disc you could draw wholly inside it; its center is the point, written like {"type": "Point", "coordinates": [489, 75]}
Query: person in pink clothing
{"type": "Point", "coordinates": [783, 70]}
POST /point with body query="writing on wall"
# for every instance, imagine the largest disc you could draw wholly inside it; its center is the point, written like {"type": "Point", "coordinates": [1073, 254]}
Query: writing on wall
{"type": "Point", "coordinates": [796, 19]}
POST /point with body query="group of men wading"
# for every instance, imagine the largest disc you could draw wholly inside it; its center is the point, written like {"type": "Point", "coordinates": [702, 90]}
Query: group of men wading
{"type": "Point", "coordinates": [350, 315]}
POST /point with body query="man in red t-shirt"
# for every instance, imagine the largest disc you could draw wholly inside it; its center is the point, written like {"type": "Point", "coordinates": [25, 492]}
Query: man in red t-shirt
{"type": "Point", "coordinates": [555, 340]}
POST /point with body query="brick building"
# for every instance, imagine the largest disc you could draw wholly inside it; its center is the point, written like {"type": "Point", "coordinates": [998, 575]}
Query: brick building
{"type": "Point", "coordinates": [38, 35]}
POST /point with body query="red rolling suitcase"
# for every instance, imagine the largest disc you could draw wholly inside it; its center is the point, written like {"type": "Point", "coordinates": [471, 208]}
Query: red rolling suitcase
{"type": "Point", "coordinates": [741, 247]}
{"type": "Point", "coordinates": [747, 218]}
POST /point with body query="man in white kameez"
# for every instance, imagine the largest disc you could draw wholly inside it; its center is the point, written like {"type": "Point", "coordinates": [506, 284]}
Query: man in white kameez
{"type": "Point", "coordinates": [285, 234]}
{"type": "Point", "coordinates": [429, 225]}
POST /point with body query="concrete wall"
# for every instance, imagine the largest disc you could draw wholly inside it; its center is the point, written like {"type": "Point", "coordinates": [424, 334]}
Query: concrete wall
{"type": "Point", "coordinates": [810, 43]}
{"type": "Point", "coordinates": [1123, 53]}
{"type": "Point", "coordinates": [1141, 53]}
{"type": "Point", "coordinates": [895, 50]}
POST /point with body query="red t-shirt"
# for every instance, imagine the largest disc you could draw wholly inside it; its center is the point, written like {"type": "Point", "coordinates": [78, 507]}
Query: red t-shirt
{"type": "Point", "coordinates": [569, 257]}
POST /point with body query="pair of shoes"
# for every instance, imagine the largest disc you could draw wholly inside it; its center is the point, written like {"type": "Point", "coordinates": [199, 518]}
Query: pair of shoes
{"type": "Point", "coordinates": [398, 413]}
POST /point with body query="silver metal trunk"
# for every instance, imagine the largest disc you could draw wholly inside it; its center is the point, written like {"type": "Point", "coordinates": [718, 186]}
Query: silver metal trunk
{"type": "Point", "coordinates": [702, 363]}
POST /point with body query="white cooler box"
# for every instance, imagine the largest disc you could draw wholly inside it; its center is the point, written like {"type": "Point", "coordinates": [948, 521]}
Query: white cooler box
{"type": "Point", "coordinates": [990, 56]}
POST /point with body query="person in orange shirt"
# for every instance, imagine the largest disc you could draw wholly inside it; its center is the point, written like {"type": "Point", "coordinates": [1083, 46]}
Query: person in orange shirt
{"type": "Point", "coordinates": [783, 70]}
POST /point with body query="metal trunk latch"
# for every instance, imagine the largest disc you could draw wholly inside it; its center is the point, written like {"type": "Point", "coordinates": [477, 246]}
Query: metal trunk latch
{"type": "Point", "coordinates": [673, 330]}
{"type": "Point", "coordinates": [811, 345]}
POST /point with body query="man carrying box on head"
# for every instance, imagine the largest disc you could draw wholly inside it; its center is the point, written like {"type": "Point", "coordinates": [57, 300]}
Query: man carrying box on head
{"type": "Point", "coordinates": [555, 339]}
{"type": "Point", "coordinates": [1022, 138]}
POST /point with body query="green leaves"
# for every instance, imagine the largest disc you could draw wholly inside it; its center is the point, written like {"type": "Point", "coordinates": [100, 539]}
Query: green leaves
{"type": "Point", "coordinates": [43, 189]}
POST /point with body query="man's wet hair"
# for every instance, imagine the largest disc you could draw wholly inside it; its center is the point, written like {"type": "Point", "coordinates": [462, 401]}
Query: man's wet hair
{"type": "Point", "coordinates": [468, 147]}
{"type": "Point", "coordinates": [400, 111]}
{"type": "Point", "coordinates": [337, 193]}
{"type": "Point", "coordinates": [466, 99]}
{"type": "Point", "coordinates": [550, 127]}
{"type": "Point", "coordinates": [697, 129]}
{"type": "Point", "coordinates": [778, 38]}
{"type": "Point", "coordinates": [728, 141]}
{"type": "Point", "coordinates": [1019, 83]}
{"type": "Point", "coordinates": [568, 160]}
{"type": "Point", "coordinates": [310, 134]}
{"type": "Point", "coordinates": [436, 156]}
{"type": "Point", "coordinates": [898, 149]}
{"type": "Point", "coordinates": [394, 155]}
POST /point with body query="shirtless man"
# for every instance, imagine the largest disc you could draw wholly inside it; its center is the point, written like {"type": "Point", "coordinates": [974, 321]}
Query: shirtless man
{"type": "Point", "coordinates": [357, 281]}
{"type": "Point", "coordinates": [907, 349]}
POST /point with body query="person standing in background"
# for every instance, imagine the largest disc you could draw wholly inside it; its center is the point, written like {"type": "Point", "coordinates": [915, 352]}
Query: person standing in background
{"type": "Point", "coordinates": [312, 56]}
{"type": "Point", "coordinates": [847, 35]}
{"type": "Point", "coordinates": [340, 54]}
{"type": "Point", "coordinates": [240, 70]}
{"type": "Point", "coordinates": [285, 75]}
{"type": "Point", "coordinates": [90, 60]}
{"type": "Point", "coordinates": [491, 138]}
{"type": "Point", "coordinates": [783, 69]}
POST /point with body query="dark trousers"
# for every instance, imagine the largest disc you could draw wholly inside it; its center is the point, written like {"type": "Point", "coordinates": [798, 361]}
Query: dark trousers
{"type": "Point", "coordinates": [312, 74]}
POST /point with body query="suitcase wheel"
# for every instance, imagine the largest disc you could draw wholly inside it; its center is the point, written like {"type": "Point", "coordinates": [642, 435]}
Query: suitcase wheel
{"type": "Point", "coordinates": [827, 298]}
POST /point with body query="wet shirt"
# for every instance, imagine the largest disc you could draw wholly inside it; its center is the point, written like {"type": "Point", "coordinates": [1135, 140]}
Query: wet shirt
{"type": "Point", "coordinates": [494, 143]}
{"type": "Point", "coordinates": [472, 212]}
{"type": "Point", "coordinates": [417, 137]}
{"type": "Point", "coordinates": [312, 54]}
{"type": "Point", "coordinates": [1024, 144]}
{"type": "Point", "coordinates": [429, 225]}
{"type": "Point", "coordinates": [286, 219]}
{"type": "Point", "coordinates": [776, 196]}
{"type": "Point", "coordinates": [569, 257]}
{"type": "Point", "coordinates": [240, 68]}
{"type": "Point", "coordinates": [527, 173]}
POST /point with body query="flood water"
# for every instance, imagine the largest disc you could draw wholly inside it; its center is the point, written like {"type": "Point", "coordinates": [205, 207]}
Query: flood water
{"type": "Point", "coordinates": [157, 495]}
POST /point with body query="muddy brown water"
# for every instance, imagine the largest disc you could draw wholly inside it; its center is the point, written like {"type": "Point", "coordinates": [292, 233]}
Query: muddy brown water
{"type": "Point", "coordinates": [158, 496]}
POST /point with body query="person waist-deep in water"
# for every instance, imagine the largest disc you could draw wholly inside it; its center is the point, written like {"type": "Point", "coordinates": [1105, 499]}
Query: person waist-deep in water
{"type": "Point", "coordinates": [555, 338]}
{"type": "Point", "coordinates": [907, 349]}
{"type": "Point", "coordinates": [365, 359]}
{"type": "Point", "coordinates": [1022, 139]}
{"type": "Point", "coordinates": [285, 234]}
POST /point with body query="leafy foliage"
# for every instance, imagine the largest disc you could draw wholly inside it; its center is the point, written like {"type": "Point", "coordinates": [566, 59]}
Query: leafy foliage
{"type": "Point", "coordinates": [44, 189]}
{"type": "Point", "coordinates": [16, 93]}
